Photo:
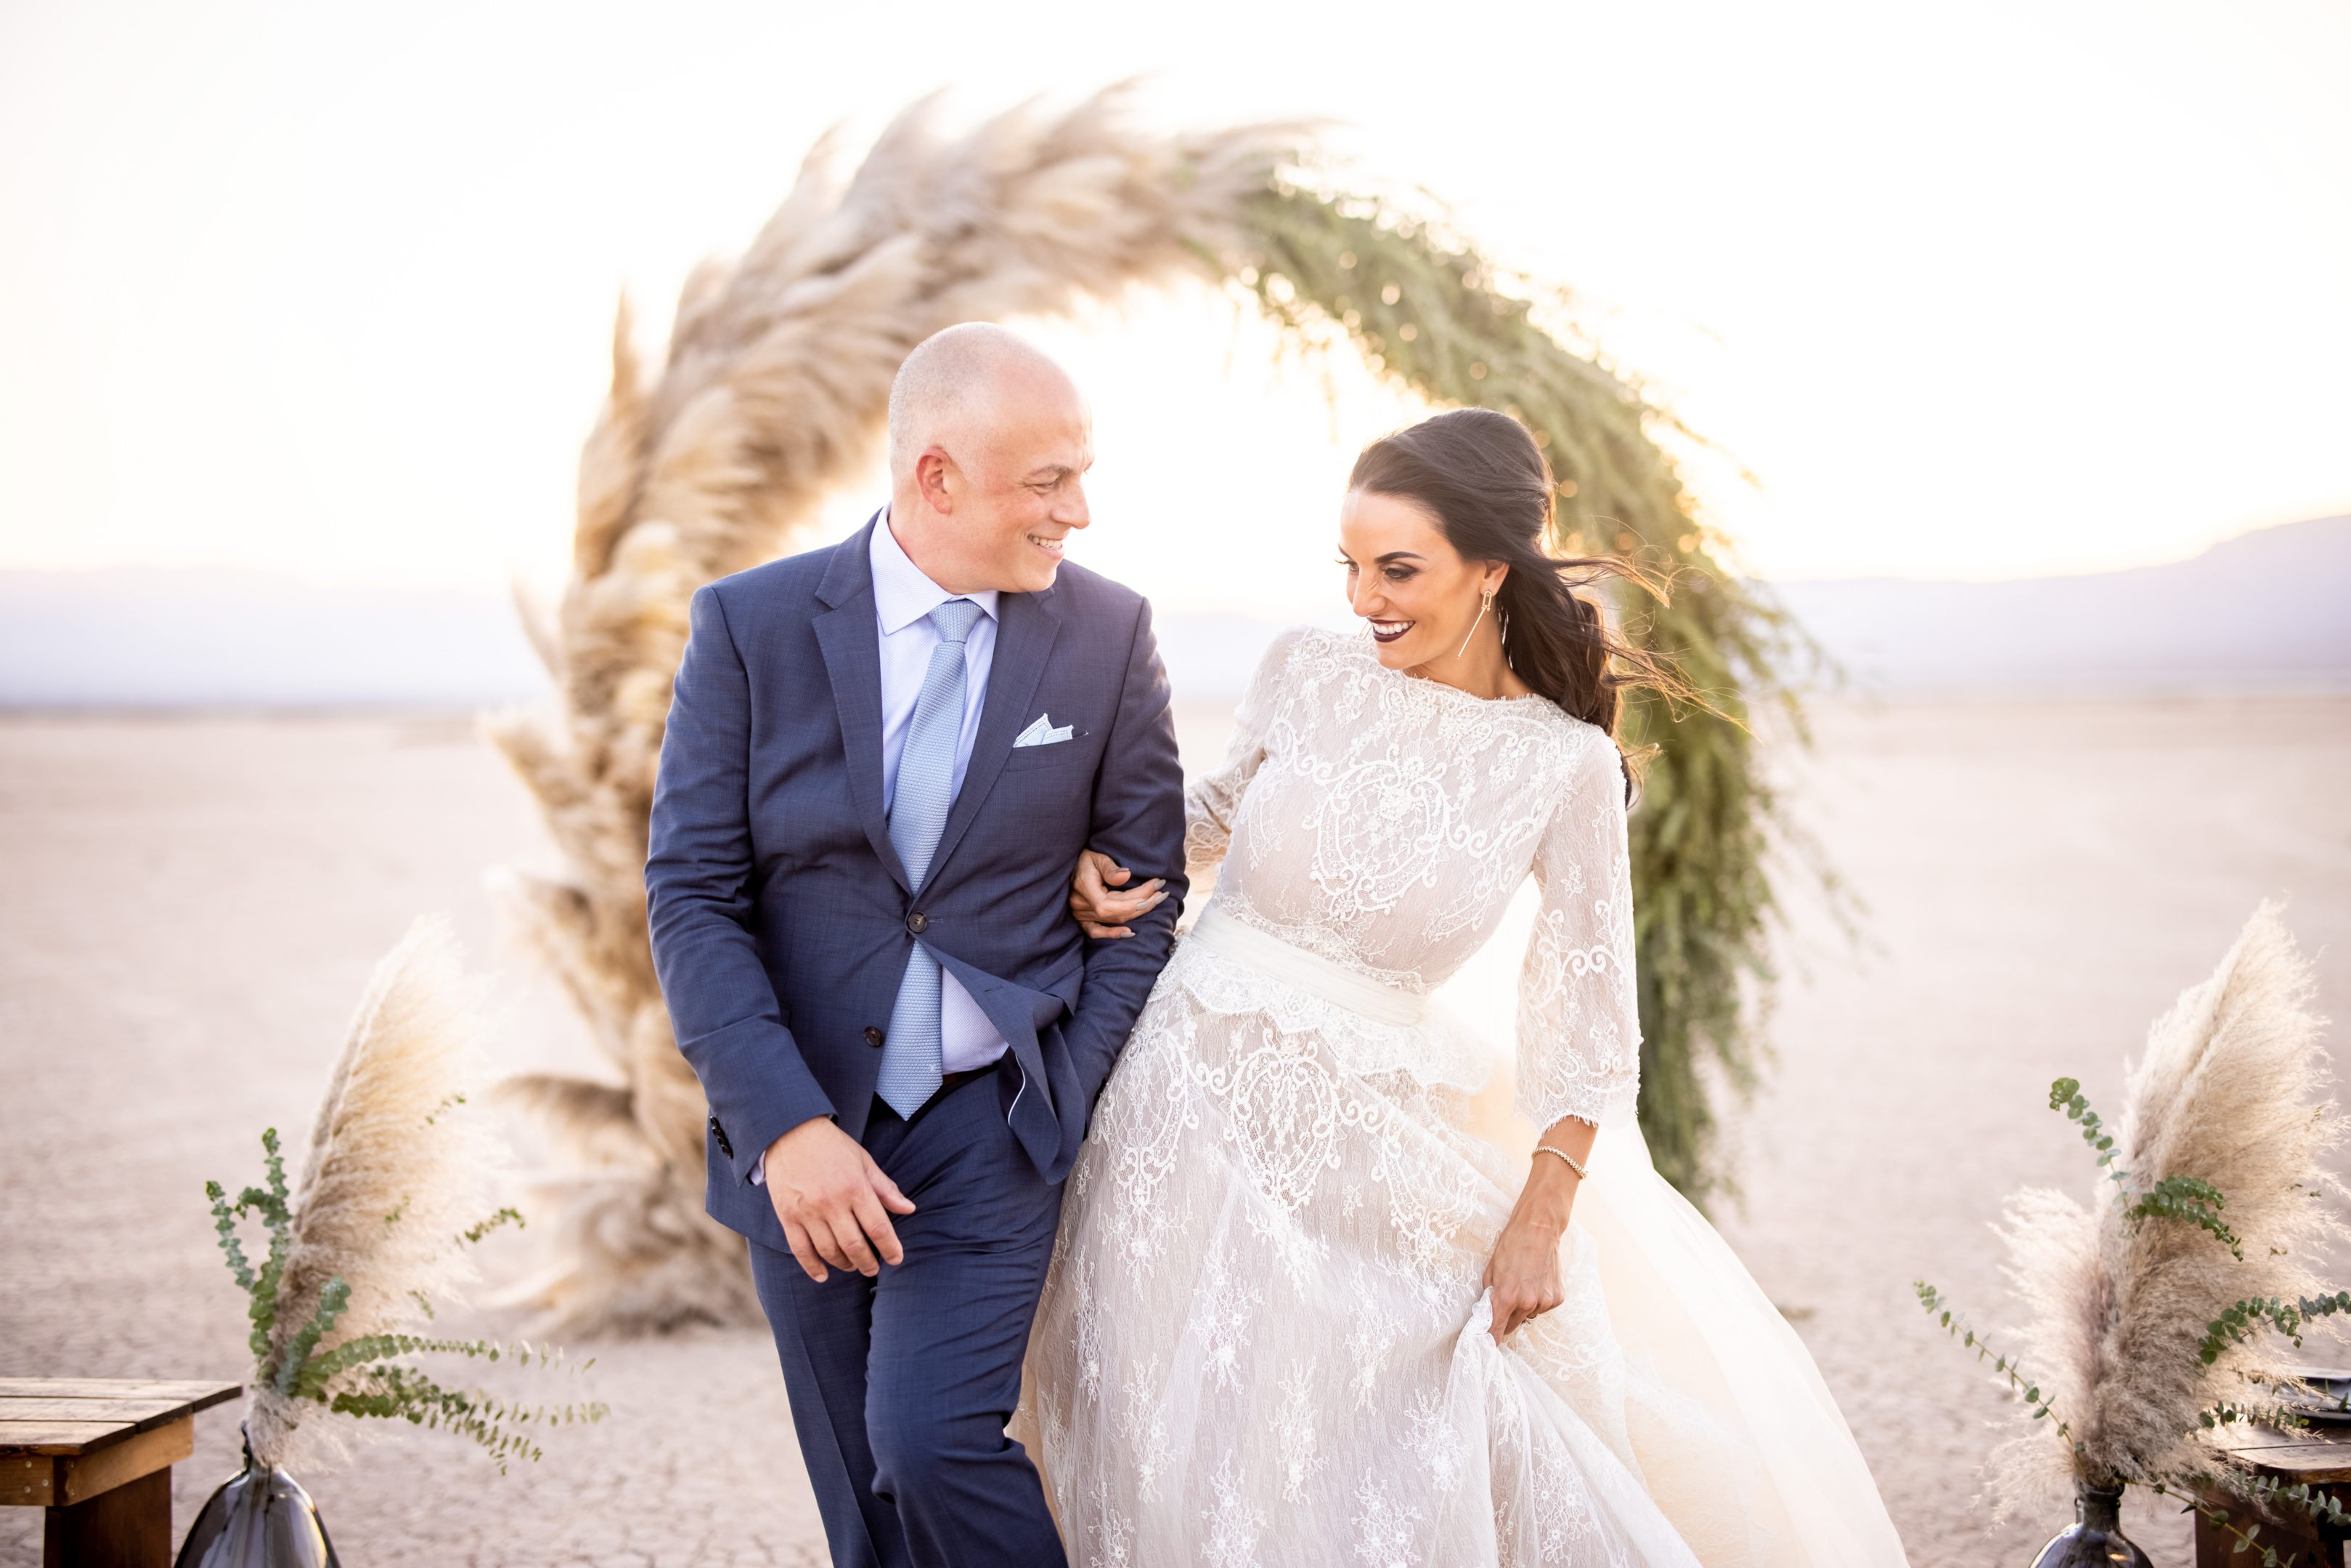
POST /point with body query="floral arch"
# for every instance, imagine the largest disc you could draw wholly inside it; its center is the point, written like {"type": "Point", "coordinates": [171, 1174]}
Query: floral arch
{"type": "Point", "coordinates": [773, 393]}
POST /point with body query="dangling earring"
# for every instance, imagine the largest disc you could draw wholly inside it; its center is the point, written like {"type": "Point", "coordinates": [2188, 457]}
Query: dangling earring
{"type": "Point", "coordinates": [1484, 606]}
{"type": "Point", "coordinates": [1513, 663]}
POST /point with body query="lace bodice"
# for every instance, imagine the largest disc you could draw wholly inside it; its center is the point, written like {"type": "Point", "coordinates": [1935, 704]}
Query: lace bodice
{"type": "Point", "coordinates": [1383, 821]}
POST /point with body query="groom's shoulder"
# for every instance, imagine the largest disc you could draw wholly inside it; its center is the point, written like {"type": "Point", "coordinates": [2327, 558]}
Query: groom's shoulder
{"type": "Point", "coordinates": [777, 584]}
{"type": "Point", "coordinates": [1078, 593]}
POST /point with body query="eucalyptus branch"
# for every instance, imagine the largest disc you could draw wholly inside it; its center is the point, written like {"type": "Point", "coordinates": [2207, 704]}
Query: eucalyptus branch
{"type": "Point", "coordinates": [2183, 1198]}
{"type": "Point", "coordinates": [473, 1233]}
{"type": "Point", "coordinates": [2229, 1414]}
{"type": "Point", "coordinates": [2320, 1507]}
{"type": "Point", "coordinates": [388, 1390]}
{"type": "Point", "coordinates": [2065, 1094]}
{"type": "Point", "coordinates": [224, 1221]}
{"type": "Point", "coordinates": [2239, 1323]}
{"type": "Point", "coordinates": [260, 1286]}
{"type": "Point", "coordinates": [2043, 1408]}
{"type": "Point", "coordinates": [333, 1297]}
{"type": "Point", "coordinates": [359, 1353]}
{"type": "Point", "coordinates": [2190, 1199]}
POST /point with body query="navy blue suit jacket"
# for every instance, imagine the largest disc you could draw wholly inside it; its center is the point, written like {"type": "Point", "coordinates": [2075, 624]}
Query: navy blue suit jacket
{"type": "Point", "coordinates": [781, 918]}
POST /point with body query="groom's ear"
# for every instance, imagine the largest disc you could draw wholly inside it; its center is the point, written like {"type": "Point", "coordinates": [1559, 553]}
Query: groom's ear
{"type": "Point", "coordinates": [939, 480]}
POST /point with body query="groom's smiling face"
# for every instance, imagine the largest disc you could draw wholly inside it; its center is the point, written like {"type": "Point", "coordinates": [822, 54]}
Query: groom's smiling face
{"type": "Point", "coordinates": [999, 492]}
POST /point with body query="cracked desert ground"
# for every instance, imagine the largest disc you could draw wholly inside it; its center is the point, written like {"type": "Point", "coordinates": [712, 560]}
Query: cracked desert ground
{"type": "Point", "coordinates": [190, 904]}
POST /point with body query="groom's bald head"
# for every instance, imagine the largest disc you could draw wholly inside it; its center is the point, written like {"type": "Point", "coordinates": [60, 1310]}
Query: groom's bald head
{"type": "Point", "coordinates": [989, 442]}
{"type": "Point", "coordinates": [958, 384]}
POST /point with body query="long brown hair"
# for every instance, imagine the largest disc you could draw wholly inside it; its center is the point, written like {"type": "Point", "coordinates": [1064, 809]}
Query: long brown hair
{"type": "Point", "coordinates": [1482, 476]}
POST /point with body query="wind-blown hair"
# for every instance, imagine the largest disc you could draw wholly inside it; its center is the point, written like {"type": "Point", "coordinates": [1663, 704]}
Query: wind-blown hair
{"type": "Point", "coordinates": [1481, 475]}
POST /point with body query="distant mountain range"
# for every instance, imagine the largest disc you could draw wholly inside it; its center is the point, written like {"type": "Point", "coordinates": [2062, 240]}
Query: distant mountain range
{"type": "Point", "coordinates": [2267, 611]}
{"type": "Point", "coordinates": [210, 638]}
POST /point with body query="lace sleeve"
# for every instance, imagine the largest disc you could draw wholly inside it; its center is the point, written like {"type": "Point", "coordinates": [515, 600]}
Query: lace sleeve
{"type": "Point", "coordinates": [1579, 1023]}
{"type": "Point", "coordinates": [1211, 802]}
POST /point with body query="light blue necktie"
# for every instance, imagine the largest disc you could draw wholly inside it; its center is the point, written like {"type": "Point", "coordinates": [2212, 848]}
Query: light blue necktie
{"type": "Point", "coordinates": [910, 1055]}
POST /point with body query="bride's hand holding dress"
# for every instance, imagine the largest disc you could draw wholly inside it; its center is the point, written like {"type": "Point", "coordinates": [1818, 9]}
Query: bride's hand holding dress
{"type": "Point", "coordinates": [1524, 1275]}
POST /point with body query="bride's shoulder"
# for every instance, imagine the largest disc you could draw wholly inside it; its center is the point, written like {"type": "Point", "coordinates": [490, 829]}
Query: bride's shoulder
{"type": "Point", "coordinates": [1321, 639]}
{"type": "Point", "coordinates": [1576, 742]}
{"type": "Point", "coordinates": [1294, 648]}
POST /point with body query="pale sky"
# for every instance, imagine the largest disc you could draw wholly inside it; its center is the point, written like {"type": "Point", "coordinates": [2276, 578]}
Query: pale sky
{"type": "Point", "coordinates": [1977, 290]}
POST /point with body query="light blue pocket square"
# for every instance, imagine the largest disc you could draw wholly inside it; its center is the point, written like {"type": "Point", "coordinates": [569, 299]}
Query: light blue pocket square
{"type": "Point", "coordinates": [1042, 733]}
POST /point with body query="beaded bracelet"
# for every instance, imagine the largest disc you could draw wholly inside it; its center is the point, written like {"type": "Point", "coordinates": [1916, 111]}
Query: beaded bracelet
{"type": "Point", "coordinates": [1573, 1164]}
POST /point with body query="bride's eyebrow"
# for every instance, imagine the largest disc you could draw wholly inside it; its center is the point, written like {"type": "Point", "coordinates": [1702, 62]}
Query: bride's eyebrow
{"type": "Point", "coordinates": [1400, 555]}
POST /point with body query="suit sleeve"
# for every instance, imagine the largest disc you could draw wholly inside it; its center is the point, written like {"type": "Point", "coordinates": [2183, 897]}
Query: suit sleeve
{"type": "Point", "coordinates": [698, 901]}
{"type": "Point", "coordinates": [1138, 821]}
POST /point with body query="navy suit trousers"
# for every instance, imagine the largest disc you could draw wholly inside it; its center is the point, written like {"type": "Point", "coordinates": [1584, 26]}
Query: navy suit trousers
{"type": "Point", "coordinates": [901, 1385]}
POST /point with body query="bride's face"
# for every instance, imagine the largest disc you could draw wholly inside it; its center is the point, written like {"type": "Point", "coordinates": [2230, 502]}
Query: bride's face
{"type": "Point", "coordinates": [1420, 597]}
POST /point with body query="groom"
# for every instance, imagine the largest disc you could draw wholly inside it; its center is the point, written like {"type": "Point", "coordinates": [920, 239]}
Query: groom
{"type": "Point", "coordinates": [881, 762]}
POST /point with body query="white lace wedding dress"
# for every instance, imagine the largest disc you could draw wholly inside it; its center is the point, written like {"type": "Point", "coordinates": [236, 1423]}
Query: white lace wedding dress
{"type": "Point", "coordinates": [1264, 1338]}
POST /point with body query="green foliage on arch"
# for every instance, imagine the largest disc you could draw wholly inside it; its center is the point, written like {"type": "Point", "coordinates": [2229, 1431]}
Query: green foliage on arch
{"type": "Point", "coordinates": [1427, 311]}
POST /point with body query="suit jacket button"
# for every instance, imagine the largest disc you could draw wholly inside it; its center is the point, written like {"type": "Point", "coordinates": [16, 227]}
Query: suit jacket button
{"type": "Point", "coordinates": [719, 1133]}
{"type": "Point", "coordinates": [918, 923]}
{"type": "Point", "coordinates": [873, 1037]}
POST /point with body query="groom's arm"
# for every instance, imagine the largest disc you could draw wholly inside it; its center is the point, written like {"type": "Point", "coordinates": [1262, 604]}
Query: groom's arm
{"type": "Point", "coordinates": [1138, 821]}
{"type": "Point", "coordinates": [698, 875]}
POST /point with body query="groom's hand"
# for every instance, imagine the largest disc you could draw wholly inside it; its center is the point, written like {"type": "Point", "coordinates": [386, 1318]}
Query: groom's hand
{"type": "Point", "coordinates": [833, 1200]}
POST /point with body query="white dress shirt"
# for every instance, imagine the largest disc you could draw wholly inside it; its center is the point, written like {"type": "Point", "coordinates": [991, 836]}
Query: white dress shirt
{"type": "Point", "coordinates": [902, 601]}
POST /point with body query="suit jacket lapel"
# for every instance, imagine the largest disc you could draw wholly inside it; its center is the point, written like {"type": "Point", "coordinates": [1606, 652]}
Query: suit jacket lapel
{"type": "Point", "coordinates": [1025, 631]}
{"type": "Point", "coordinates": [852, 658]}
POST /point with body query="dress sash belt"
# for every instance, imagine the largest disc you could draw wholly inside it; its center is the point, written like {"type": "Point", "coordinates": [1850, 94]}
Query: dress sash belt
{"type": "Point", "coordinates": [1219, 933]}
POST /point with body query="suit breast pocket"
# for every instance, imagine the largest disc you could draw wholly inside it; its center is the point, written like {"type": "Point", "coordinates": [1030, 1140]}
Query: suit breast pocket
{"type": "Point", "coordinates": [1071, 754]}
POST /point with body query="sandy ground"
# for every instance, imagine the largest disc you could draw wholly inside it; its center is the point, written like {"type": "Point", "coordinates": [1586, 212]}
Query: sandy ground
{"type": "Point", "coordinates": [191, 906]}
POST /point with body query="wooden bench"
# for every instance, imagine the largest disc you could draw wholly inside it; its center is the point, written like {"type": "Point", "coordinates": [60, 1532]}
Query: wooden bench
{"type": "Point", "coordinates": [2320, 1457]}
{"type": "Point", "coordinates": [97, 1453]}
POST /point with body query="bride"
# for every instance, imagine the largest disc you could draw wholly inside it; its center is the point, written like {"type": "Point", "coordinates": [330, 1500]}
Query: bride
{"type": "Point", "coordinates": [1297, 1312]}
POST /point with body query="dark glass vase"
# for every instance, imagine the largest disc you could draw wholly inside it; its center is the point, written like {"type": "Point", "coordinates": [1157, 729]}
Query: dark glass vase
{"type": "Point", "coordinates": [2094, 1539]}
{"type": "Point", "coordinates": [260, 1518]}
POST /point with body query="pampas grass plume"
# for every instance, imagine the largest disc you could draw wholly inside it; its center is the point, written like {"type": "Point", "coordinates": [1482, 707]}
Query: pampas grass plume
{"type": "Point", "coordinates": [2233, 1089]}
{"type": "Point", "coordinates": [395, 1170]}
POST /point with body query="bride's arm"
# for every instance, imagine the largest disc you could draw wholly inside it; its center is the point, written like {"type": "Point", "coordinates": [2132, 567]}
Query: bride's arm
{"type": "Point", "coordinates": [1210, 804]}
{"type": "Point", "coordinates": [1524, 1271]}
{"type": "Point", "coordinates": [1579, 1027]}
